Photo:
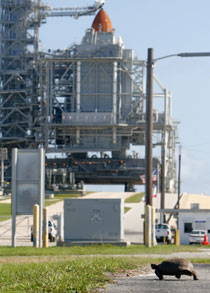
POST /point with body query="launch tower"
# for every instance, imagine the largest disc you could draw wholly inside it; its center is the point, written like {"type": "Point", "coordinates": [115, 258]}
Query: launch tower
{"type": "Point", "coordinates": [84, 100]}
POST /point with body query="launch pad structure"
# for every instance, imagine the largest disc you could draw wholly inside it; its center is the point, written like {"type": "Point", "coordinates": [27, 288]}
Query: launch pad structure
{"type": "Point", "coordinates": [86, 102]}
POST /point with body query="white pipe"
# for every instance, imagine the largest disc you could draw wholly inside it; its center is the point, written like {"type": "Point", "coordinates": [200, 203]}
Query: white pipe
{"type": "Point", "coordinates": [114, 108]}
{"type": "Point", "coordinates": [78, 85]}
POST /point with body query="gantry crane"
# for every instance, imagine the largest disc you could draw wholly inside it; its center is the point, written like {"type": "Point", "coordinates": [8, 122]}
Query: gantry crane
{"type": "Point", "coordinates": [20, 21]}
{"type": "Point", "coordinates": [74, 11]}
{"type": "Point", "coordinates": [29, 91]}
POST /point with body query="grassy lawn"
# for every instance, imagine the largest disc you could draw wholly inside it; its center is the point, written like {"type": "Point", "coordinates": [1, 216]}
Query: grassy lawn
{"type": "Point", "coordinates": [62, 196]}
{"type": "Point", "coordinates": [73, 276]}
{"type": "Point", "coordinates": [49, 202]}
{"type": "Point", "coordinates": [76, 269]}
{"type": "Point", "coordinates": [135, 198]}
{"type": "Point", "coordinates": [96, 250]}
{"type": "Point", "coordinates": [55, 269]}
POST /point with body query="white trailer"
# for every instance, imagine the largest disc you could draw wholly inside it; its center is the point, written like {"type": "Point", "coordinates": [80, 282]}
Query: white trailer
{"type": "Point", "coordinates": [193, 220]}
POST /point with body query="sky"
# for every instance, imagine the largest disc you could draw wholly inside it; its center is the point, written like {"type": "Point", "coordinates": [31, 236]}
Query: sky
{"type": "Point", "coordinates": [169, 27]}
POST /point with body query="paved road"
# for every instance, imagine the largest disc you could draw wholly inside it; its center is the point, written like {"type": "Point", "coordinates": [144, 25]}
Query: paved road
{"type": "Point", "coordinates": [149, 283]}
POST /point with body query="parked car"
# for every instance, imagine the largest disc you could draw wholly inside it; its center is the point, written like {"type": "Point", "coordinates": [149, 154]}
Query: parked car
{"type": "Point", "coordinates": [52, 232]}
{"type": "Point", "coordinates": [163, 231]}
{"type": "Point", "coordinates": [197, 236]}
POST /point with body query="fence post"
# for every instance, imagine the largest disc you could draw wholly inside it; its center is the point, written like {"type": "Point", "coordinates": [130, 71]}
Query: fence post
{"type": "Point", "coordinates": [148, 226]}
{"type": "Point", "coordinates": [177, 239]}
{"type": "Point", "coordinates": [36, 226]}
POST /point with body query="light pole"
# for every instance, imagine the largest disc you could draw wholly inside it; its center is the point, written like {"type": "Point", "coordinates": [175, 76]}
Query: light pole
{"type": "Point", "coordinates": [179, 175]}
{"type": "Point", "coordinates": [149, 127]}
{"type": "Point", "coordinates": [149, 119]}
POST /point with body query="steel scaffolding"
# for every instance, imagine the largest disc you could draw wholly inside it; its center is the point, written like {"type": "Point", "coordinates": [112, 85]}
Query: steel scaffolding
{"type": "Point", "coordinates": [88, 98]}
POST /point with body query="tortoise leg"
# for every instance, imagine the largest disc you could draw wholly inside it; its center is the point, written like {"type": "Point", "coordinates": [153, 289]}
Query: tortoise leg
{"type": "Point", "coordinates": [195, 277]}
{"type": "Point", "coordinates": [178, 275]}
{"type": "Point", "coordinates": [189, 273]}
{"type": "Point", "coordinates": [160, 276]}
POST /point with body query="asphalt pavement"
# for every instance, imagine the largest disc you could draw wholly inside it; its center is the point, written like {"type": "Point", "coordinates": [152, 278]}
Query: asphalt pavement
{"type": "Point", "coordinates": [149, 283]}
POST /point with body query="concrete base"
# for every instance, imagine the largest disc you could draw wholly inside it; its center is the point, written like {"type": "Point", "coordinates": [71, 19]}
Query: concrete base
{"type": "Point", "coordinates": [89, 243]}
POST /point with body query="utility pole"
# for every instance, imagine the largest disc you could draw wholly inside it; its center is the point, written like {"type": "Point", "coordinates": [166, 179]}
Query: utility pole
{"type": "Point", "coordinates": [162, 202]}
{"type": "Point", "coordinates": [149, 127]}
{"type": "Point", "coordinates": [179, 177]}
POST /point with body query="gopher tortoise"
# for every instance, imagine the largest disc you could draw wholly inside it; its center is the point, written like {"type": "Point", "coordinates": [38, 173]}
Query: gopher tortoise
{"type": "Point", "coordinates": [174, 267]}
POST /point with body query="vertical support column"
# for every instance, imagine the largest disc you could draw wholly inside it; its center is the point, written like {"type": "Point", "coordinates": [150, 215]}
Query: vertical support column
{"type": "Point", "coordinates": [78, 85]}
{"type": "Point", "coordinates": [36, 226]}
{"type": "Point", "coordinates": [47, 104]}
{"type": "Point", "coordinates": [149, 127]}
{"type": "Point", "coordinates": [169, 143]}
{"type": "Point", "coordinates": [114, 106]}
{"type": "Point", "coordinates": [119, 105]}
{"type": "Point", "coordinates": [45, 227]}
{"type": "Point", "coordinates": [162, 203]}
{"type": "Point", "coordinates": [148, 226]}
{"type": "Point", "coordinates": [14, 179]}
{"type": "Point", "coordinates": [78, 98]}
{"type": "Point", "coordinates": [42, 189]}
{"type": "Point", "coordinates": [50, 90]}
{"type": "Point", "coordinates": [50, 178]}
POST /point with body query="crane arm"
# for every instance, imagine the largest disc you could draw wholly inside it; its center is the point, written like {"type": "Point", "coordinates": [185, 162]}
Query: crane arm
{"type": "Point", "coordinates": [73, 11]}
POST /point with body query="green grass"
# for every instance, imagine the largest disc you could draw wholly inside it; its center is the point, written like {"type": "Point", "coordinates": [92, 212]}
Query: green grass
{"type": "Point", "coordinates": [62, 196]}
{"type": "Point", "coordinates": [80, 275]}
{"type": "Point", "coordinates": [135, 198]}
{"type": "Point", "coordinates": [73, 275]}
{"type": "Point", "coordinates": [59, 197]}
{"type": "Point", "coordinates": [96, 250]}
{"type": "Point", "coordinates": [56, 269]}
{"type": "Point", "coordinates": [49, 202]}
{"type": "Point", "coordinates": [126, 209]}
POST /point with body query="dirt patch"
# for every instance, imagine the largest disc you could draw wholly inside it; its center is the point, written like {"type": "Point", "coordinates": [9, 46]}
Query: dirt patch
{"type": "Point", "coordinates": [34, 259]}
